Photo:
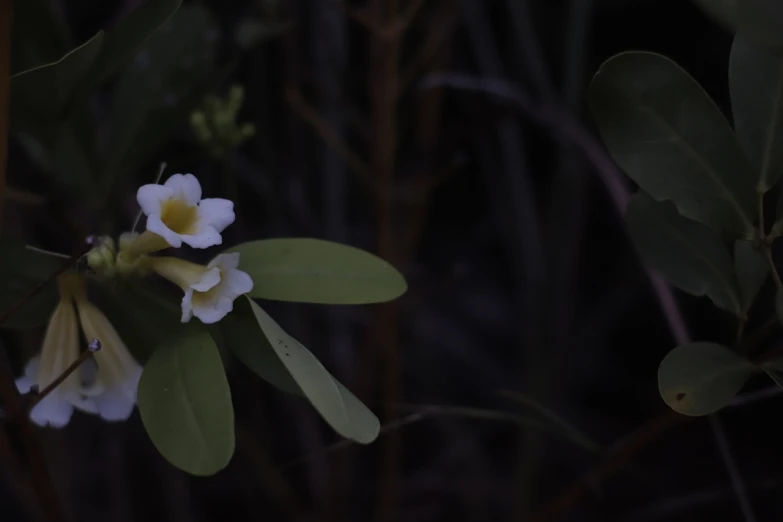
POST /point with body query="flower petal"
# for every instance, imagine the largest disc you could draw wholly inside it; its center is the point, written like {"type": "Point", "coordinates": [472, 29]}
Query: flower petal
{"type": "Point", "coordinates": [115, 405]}
{"type": "Point", "coordinates": [237, 283]}
{"type": "Point", "coordinates": [187, 306]}
{"type": "Point", "coordinates": [156, 226]}
{"type": "Point", "coordinates": [205, 238]}
{"type": "Point", "coordinates": [53, 410]}
{"type": "Point", "coordinates": [185, 187]}
{"type": "Point", "coordinates": [151, 197]}
{"type": "Point", "coordinates": [212, 310]}
{"type": "Point", "coordinates": [210, 279]}
{"type": "Point", "coordinates": [26, 381]}
{"type": "Point", "coordinates": [217, 212]}
{"type": "Point", "coordinates": [226, 262]}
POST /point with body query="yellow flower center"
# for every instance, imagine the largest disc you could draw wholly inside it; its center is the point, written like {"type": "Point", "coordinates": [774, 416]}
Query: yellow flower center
{"type": "Point", "coordinates": [179, 216]}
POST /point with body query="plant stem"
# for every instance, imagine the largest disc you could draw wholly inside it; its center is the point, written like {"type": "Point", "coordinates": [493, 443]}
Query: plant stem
{"type": "Point", "coordinates": [766, 249]}
{"type": "Point", "coordinates": [68, 371]}
{"type": "Point", "coordinates": [9, 395]}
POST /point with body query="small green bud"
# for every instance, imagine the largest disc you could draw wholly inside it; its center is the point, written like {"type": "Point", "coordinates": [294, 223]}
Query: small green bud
{"type": "Point", "coordinates": [247, 130]}
{"type": "Point", "coordinates": [127, 239]}
{"type": "Point", "coordinates": [96, 261]}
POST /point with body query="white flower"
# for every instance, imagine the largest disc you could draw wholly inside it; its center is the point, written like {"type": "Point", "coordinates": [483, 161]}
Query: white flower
{"type": "Point", "coordinates": [118, 374]}
{"type": "Point", "coordinates": [210, 290]}
{"type": "Point", "coordinates": [60, 349]}
{"type": "Point", "coordinates": [176, 214]}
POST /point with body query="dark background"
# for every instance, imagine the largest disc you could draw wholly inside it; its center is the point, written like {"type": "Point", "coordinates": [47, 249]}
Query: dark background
{"type": "Point", "coordinates": [488, 188]}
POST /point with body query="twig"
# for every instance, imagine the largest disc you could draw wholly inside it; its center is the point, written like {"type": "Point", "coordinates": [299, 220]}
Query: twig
{"type": "Point", "coordinates": [94, 346]}
{"type": "Point", "coordinates": [70, 262]}
{"type": "Point", "coordinates": [737, 484]}
{"type": "Point", "coordinates": [311, 116]}
{"type": "Point", "coordinates": [157, 180]}
{"type": "Point", "coordinates": [6, 17]}
{"type": "Point", "coordinates": [766, 248]}
{"type": "Point", "coordinates": [564, 126]}
{"type": "Point", "coordinates": [9, 395]}
{"type": "Point", "coordinates": [383, 81]}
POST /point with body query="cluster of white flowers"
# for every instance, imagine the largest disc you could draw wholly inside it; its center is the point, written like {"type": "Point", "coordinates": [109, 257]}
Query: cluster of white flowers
{"type": "Point", "coordinates": [106, 386]}
{"type": "Point", "coordinates": [176, 214]}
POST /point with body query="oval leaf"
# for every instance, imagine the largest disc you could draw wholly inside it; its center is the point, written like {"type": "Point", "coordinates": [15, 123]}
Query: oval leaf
{"type": "Point", "coordinates": [666, 133]}
{"type": "Point", "coordinates": [752, 271]}
{"type": "Point", "coordinates": [756, 83]}
{"type": "Point", "coordinates": [185, 404]}
{"type": "Point", "coordinates": [760, 19]}
{"type": "Point", "coordinates": [689, 255]}
{"type": "Point", "coordinates": [700, 378]}
{"type": "Point", "coordinates": [283, 361]}
{"type": "Point", "coordinates": [310, 270]}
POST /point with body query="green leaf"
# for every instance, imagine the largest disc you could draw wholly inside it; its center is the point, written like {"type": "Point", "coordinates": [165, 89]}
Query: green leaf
{"type": "Point", "coordinates": [700, 378]}
{"type": "Point", "coordinates": [316, 271]}
{"type": "Point", "coordinates": [21, 271]}
{"type": "Point", "coordinates": [185, 404]}
{"type": "Point", "coordinates": [43, 93]}
{"type": "Point", "coordinates": [123, 40]}
{"type": "Point", "coordinates": [756, 83]}
{"type": "Point", "coordinates": [760, 19]}
{"type": "Point", "coordinates": [666, 133]}
{"type": "Point", "coordinates": [689, 255]}
{"type": "Point", "coordinates": [173, 61]}
{"type": "Point", "coordinates": [40, 34]}
{"type": "Point", "coordinates": [752, 271]}
{"type": "Point", "coordinates": [284, 362]}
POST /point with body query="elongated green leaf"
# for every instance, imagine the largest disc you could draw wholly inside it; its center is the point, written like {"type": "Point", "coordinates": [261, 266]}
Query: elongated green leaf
{"type": "Point", "coordinates": [752, 271]}
{"type": "Point", "coordinates": [297, 370]}
{"type": "Point", "coordinates": [756, 83]}
{"type": "Point", "coordinates": [124, 40]}
{"type": "Point", "coordinates": [666, 133]}
{"type": "Point", "coordinates": [40, 34]}
{"type": "Point", "coordinates": [172, 61]}
{"type": "Point", "coordinates": [242, 335]}
{"type": "Point", "coordinates": [691, 256]}
{"type": "Point", "coordinates": [21, 271]}
{"type": "Point", "coordinates": [761, 20]}
{"type": "Point", "coordinates": [316, 271]}
{"type": "Point", "coordinates": [185, 404]}
{"type": "Point", "coordinates": [700, 378]}
{"type": "Point", "coordinates": [42, 93]}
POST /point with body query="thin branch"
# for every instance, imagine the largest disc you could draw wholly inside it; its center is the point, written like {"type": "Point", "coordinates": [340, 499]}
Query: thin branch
{"type": "Point", "coordinates": [6, 17]}
{"type": "Point", "coordinates": [68, 264]}
{"type": "Point", "coordinates": [766, 248]}
{"type": "Point", "coordinates": [311, 116]}
{"type": "Point", "coordinates": [94, 346]}
{"type": "Point", "coordinates": [737, 484]}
